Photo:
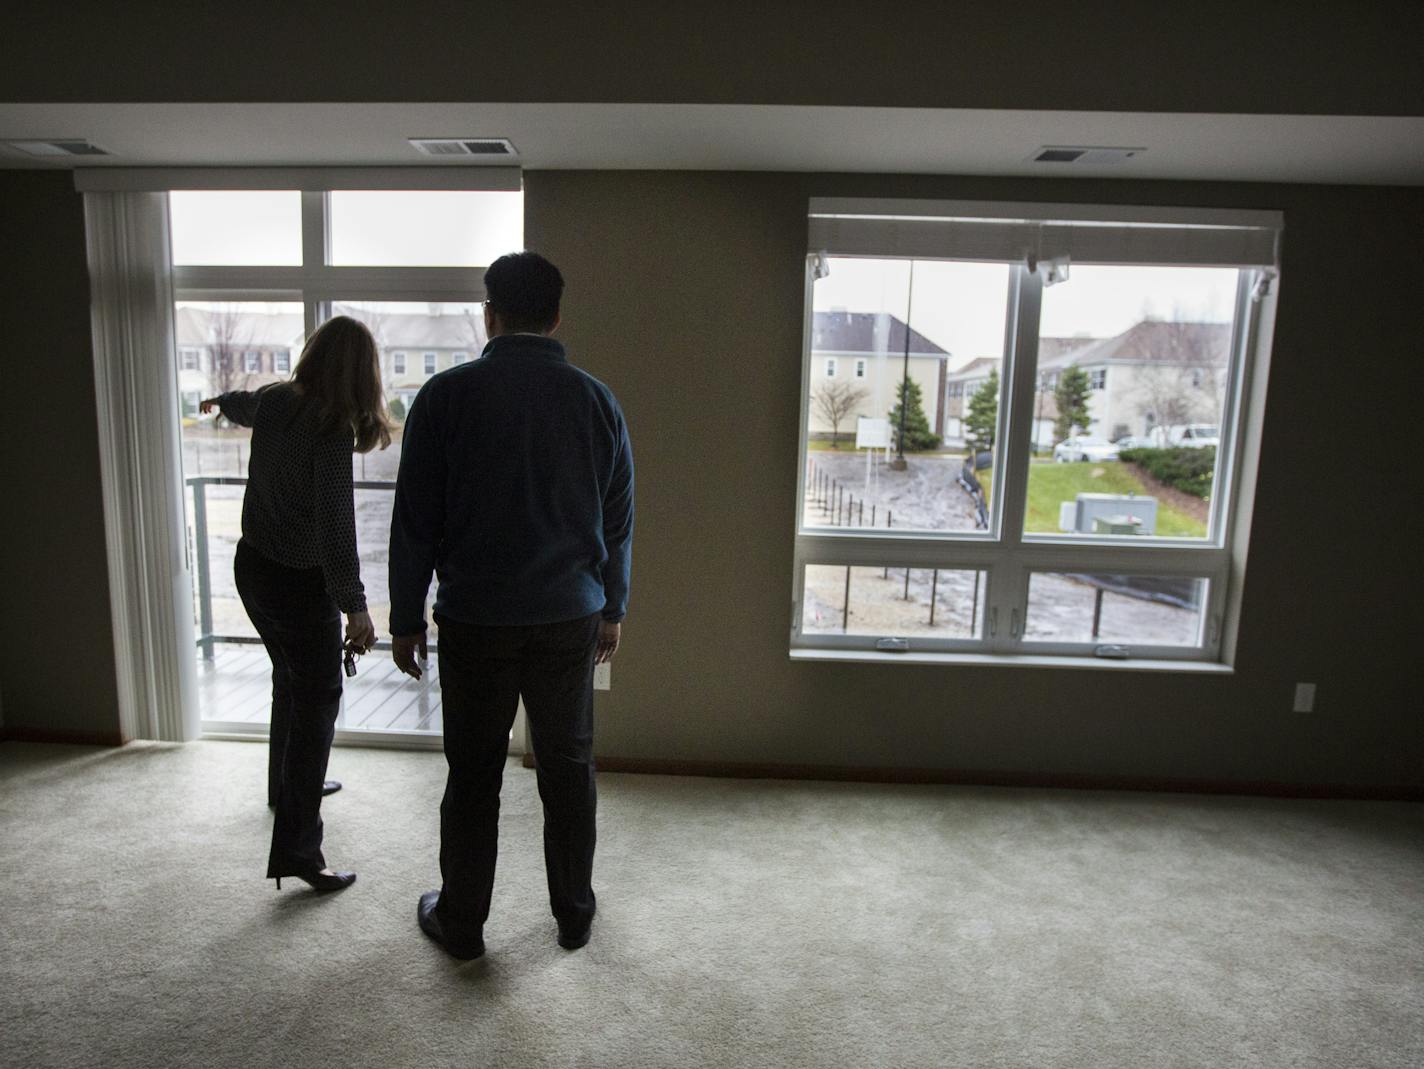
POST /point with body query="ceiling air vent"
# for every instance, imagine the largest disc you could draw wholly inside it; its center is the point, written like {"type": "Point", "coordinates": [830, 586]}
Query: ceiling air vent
{"type": "Point", "coordinates": [59, 146]}
{"type": "Point", "coordinates": [1083, 154]}
{"type": "Point", "coordinates": [463, 146]}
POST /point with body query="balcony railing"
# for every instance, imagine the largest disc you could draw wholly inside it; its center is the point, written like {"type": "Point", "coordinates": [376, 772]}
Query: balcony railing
{"type": "Point", "coordinates": [207, 637]}
{"type": "Point", "coordinates": [379, 703]}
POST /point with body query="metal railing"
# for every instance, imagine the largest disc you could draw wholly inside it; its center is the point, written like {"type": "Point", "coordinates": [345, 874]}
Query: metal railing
{"type": "Point", "coordinates": [207, 638]}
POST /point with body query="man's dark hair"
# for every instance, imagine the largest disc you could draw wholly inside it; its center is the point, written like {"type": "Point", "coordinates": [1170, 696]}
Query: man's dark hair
{"type": "Point", "coordinates": [523, 289]}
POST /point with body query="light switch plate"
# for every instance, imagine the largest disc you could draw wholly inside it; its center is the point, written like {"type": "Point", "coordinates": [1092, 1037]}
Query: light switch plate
{"type": "Point", "coordinates": [603, 676]}
{"type": "Point", "coordinates": [1304, 698]}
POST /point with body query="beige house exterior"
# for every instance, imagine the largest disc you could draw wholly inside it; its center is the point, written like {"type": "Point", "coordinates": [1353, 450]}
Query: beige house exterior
{"type": "Point", "coordinates": [237, 348]}
{"type": "Point", "coordinates": [1154, 374]}
{"type": "Point", "coordinates": [861, 355]}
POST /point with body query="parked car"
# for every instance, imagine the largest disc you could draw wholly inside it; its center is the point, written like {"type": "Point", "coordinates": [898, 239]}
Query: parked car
{"type": "Point", "coordinates": [1084, 447]}
{"type": "Point", "coordinates": [1133, 441]}
{"type": "Point", "coordinates": [1188, 435]}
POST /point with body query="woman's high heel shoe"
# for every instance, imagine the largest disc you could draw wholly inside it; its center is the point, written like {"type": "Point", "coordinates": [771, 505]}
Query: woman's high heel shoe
{"type": "Point", "coordinates": [324, 882]}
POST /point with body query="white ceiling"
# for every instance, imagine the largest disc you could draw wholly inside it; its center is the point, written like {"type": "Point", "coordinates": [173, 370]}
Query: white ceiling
{"type": "Point", "coordinates": [1267, 148]}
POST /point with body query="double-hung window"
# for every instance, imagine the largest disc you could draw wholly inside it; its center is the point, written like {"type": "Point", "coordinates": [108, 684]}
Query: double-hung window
{"type": "Point", "coordinates": [430, 363]}
{"type": "Point", "coordinates": [945, 533]}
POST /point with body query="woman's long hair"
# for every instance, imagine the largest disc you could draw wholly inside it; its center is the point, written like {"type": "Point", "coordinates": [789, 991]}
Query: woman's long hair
{"type": "Point", "coordinates": [340, 372]}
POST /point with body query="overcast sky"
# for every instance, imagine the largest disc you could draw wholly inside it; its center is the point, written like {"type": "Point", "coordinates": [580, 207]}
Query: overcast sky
{"type": "Point", "coordinates": [420, 229]}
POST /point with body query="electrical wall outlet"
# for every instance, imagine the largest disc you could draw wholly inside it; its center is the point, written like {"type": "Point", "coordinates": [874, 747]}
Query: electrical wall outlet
{"type": "Point", "coordinates": [1304, 698]}
{"type": "Point", "coordinates": [603, 676]}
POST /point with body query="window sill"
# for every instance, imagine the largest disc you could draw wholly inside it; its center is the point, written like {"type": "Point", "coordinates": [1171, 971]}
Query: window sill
{"type": "Point", "coordinates": [1017, 660]}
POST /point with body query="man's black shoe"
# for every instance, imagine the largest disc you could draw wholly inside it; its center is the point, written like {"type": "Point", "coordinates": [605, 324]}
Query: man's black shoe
{"type": "Point", "coordinates": [430, 925]}
{"type": "Point", "coordinates": [573, 938]}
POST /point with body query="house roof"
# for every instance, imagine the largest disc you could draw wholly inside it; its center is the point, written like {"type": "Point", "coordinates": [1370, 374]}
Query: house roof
{"type": "Point", "coordinates": [978, 368]}
{"type": "Point", "coordinates": [1151, 341]}
{"type": "Point", "coordinates": [408, 330]}
{"type": "Point", "coordinates": [867, 332]}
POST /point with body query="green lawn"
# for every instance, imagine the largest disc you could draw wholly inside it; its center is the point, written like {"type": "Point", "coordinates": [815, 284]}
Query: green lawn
{"type": "Point", "coordinates": [1051, 484]}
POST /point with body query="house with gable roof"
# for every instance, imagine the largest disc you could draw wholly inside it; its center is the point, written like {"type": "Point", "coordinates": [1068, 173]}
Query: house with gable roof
{"type": "Point", "coordinates": [866, 352]}
{"type": "Point", "coordinates": [1154, 374]}
{"type": "Point", "coordinates": [244, 347]}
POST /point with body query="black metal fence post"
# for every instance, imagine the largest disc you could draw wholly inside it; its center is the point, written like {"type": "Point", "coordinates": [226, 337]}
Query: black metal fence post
{"type": "Point", "coordinates": [845, 609]}
{"type": "Point", "coordinates": [934, 592]}
{"type": "Point", "coordinates": [974, 608]}
{"type": "Point", "coordinates": [1097, 611]}
{"type": "Point", "coordinates": [205, 584]}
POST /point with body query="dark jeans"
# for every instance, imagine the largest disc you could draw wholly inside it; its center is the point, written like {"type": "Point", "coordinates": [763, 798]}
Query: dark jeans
{"type": "Point", "coordinates": [483, 672]}
{"type": "Point", "coordinates": [301, 628]}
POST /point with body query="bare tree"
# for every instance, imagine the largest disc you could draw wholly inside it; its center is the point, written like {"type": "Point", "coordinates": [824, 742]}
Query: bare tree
{"type": "Point", "coordinates": [1184, 382]}
{"type": "Point", "coordinates": [227, 337]}
{"type": "Point", "coordinates": [834, 402]}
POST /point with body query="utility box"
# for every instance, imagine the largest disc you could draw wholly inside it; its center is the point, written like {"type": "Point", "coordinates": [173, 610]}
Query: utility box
{"type": "Point", "coordinates": [1137, 515]}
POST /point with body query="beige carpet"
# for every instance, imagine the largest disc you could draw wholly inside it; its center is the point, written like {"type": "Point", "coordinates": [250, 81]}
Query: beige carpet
{"type": "Point", "coordinates": [741, 923]}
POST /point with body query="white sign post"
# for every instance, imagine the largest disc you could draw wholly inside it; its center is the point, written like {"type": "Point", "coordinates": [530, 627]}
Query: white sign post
{"type": "Point", "coordinates": [870, 435]}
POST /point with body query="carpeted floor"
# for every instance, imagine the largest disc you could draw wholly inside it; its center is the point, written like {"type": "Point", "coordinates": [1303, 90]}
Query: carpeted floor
{"type": "Point", "coordinates": [741, 923]}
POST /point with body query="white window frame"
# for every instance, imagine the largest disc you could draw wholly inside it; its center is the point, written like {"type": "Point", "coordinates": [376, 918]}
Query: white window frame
{"type": "Point", "coordinates": [860, 366]}
{"type": "Point", "coordinates": [281, 361]}
{"type": "Point", "coordinates": [398, 362]}
{"type": "Point", "coordinates": [431, 362]}
{"type": "Point", "coordinates": [459, 358]}
{"type": "Point", "coordinates": [1098, 378]}
{"type": "Point", "coordinates": [187, 354]}
{"type": "Point", "coordinates": [1004, 551]}
{"type": "Point", "coordinates": [251, 361]}
{"type": "Point", "coordinates": [830, 367]}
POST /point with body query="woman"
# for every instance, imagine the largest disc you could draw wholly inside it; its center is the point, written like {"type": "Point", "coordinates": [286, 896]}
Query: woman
{"type": "Point", "coordinates": [297, 569]}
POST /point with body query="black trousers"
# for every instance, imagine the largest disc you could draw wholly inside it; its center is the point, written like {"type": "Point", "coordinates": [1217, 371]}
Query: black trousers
{"type": "Point", "coordinates": [301, 627]}
{"type": "Point", "coordinates": [483, 672]}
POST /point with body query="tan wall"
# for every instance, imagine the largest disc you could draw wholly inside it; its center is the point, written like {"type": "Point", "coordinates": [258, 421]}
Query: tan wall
{"type": "Point", "coordinates": [56, 638]}
{"type": "Point", "coordinates": [704, 674]}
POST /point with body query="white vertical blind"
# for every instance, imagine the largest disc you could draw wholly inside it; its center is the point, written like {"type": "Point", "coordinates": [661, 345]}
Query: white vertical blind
{"type": "Point", "coordinates": [150, 586]}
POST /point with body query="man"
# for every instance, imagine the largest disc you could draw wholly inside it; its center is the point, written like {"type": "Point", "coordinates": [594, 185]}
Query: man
{"type": "Point", "coordinates": [516, 488]}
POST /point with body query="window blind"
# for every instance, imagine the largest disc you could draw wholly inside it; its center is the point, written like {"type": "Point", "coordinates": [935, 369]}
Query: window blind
{"type": "Point", "coordinates": [1012, 232]}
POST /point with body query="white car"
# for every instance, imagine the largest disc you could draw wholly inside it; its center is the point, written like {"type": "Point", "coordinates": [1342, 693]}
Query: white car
{"type": "Point", "coordinates": [1084, 447]}
{"type": "Point", "coordinates": [1188, 436]}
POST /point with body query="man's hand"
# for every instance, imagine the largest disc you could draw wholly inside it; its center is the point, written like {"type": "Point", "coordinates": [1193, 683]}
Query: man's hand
{"type": "Point", "coordinates": [608, 635]}
{"type": "Point", "coordinates": [207, 406]}
{"type": "Point", "coordinates": [403, 651]}
{"type": "Point", "coordinates": [360, 631]}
